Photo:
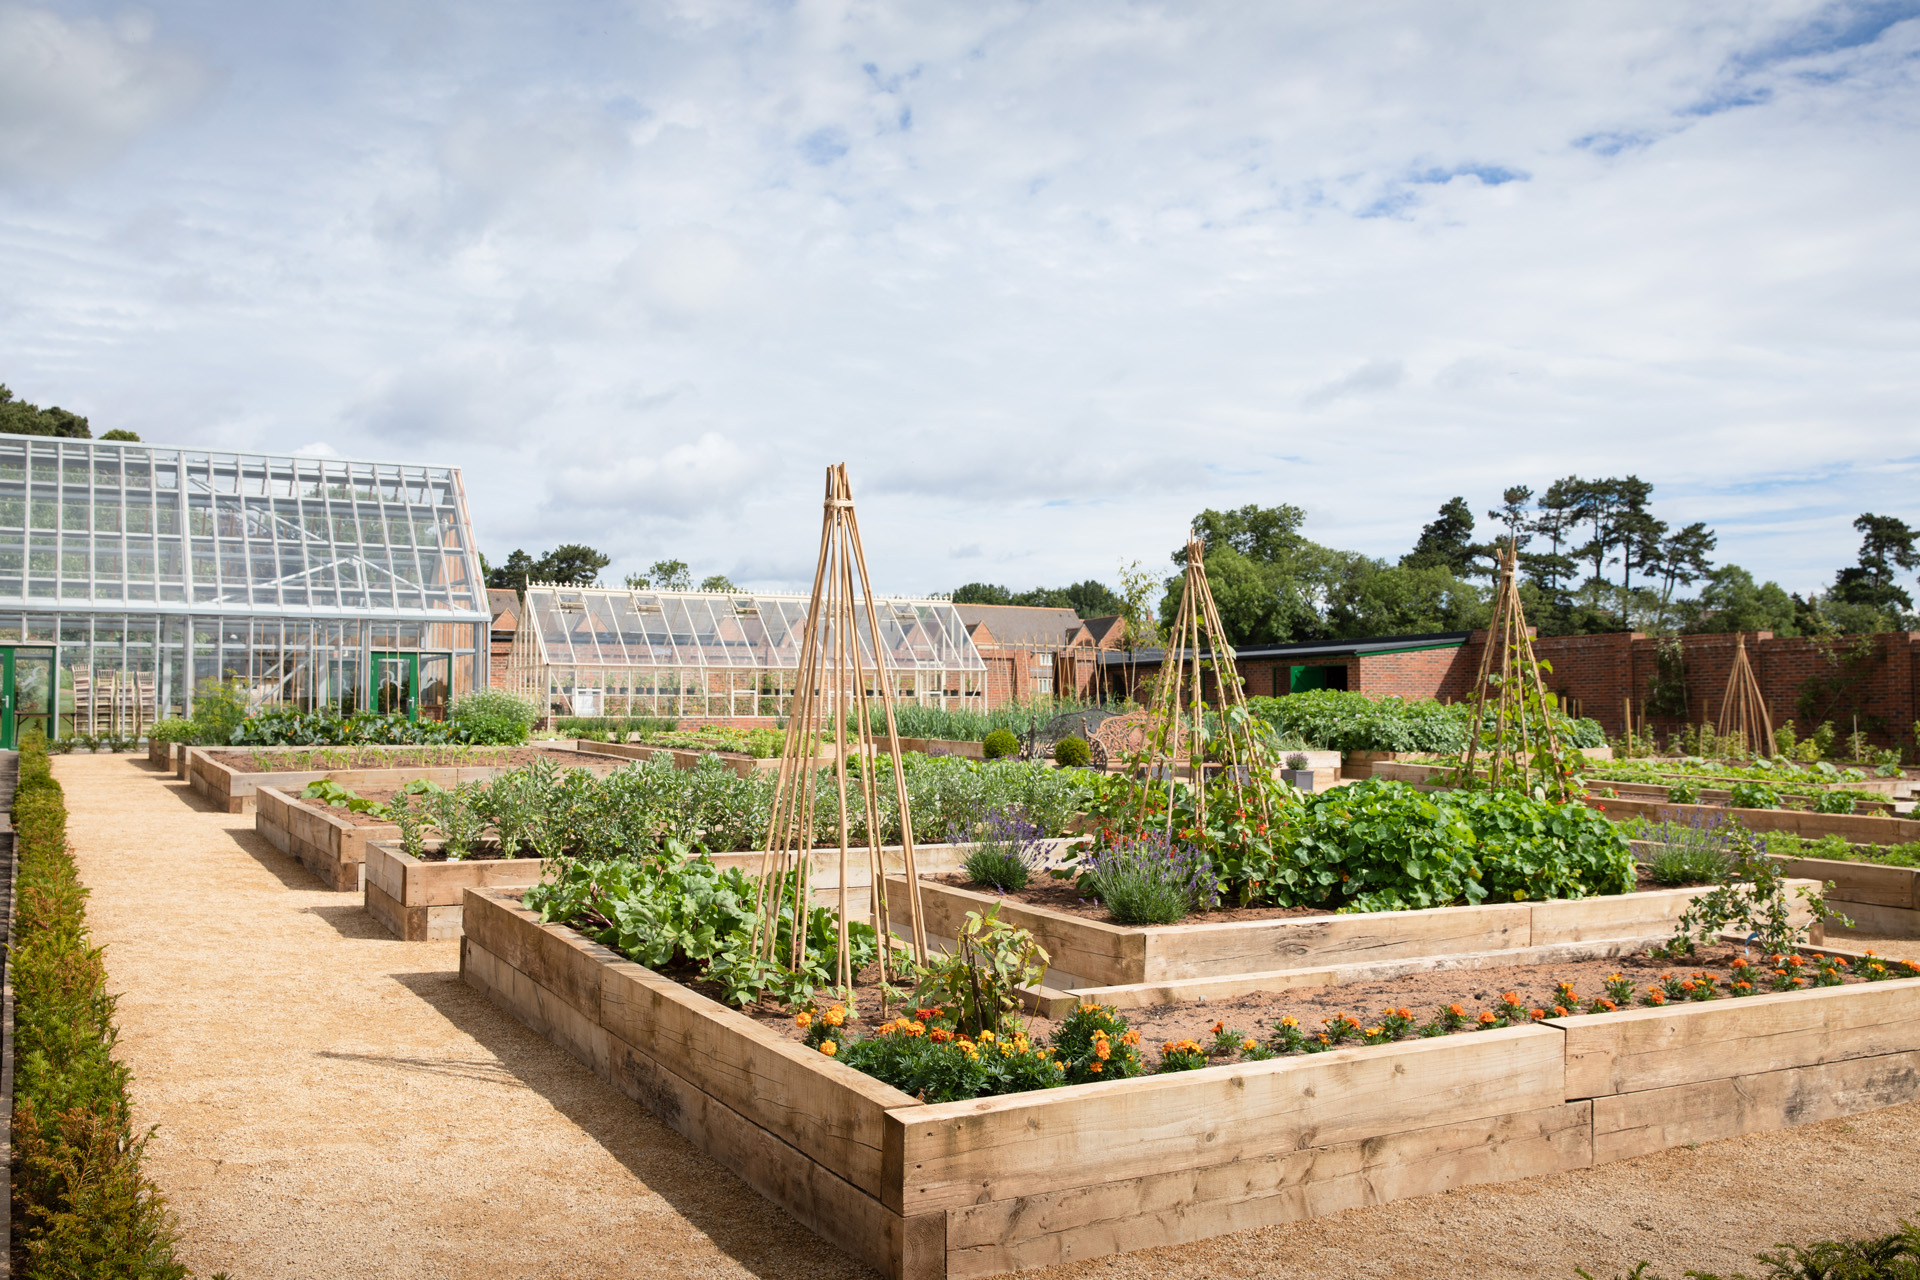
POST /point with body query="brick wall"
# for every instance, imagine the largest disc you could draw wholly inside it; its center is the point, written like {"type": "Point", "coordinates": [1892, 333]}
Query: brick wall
{"type": "Point", "coordinates": [1601, 673]}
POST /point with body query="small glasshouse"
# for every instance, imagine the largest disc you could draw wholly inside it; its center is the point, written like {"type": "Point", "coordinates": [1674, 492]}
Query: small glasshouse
{"type": "Point", "coordinates": [594, 651]}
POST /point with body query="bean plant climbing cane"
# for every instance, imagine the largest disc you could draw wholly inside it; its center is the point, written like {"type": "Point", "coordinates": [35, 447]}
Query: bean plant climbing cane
{"type": "Point", "coordinates": [1526, 748]}
{"type": "Point", "coordinates": [838, 669]}
{"type": "Point", "coordinates": [1197, 643]}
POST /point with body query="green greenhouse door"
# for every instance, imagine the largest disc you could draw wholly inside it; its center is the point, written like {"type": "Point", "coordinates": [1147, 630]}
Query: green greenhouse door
{"type": "Point", "coordinates": [416, 685]}
{"type": "Point", "coordinates": [26, 693]}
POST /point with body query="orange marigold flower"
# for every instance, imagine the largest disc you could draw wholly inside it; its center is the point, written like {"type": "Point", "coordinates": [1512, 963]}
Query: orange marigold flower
{"type": "Point", "coordinates": [1486, 1016]}
{"type": "Point", "coordinates": [1559, 1011]}
{"type": "Point", "coordinates": [1406, 1013]}
{"type": "Point", "coordinates": [829, 1048]}
{"type": "Point", "coordinates": [1537, 1013]}
{"type": "Point", "coordinates": [1656, 996]}
{"type": "Point", "coordinates": [940, 1035]}
{"type": "Point", "coordinates": [1101, 1051]}
{"type": "Point", "coordinates": [1608, 1005]}
{"type": "Point", "coordinates": [1094, 1067]}
{"type": "Point", "coordinates": [1249, 1045]}
{"type": "Point", "coordinates": [1687, 984]}
{"type": "Point", "coordinates": [1457, 1010]}
{"type": "Point", "coordinates": [1218, 1027]}
{"type": "Point", "coordinates": [1796, 960]}
{"type": "Point", "coordinates": [803, 1019]}
{"type": "Point", "coordinates": [1739, 962]}
{"type": "Point", "coordinates": [1511, 997]}
{"type": "Point", "coordinates": [834, 1016]}
{"type": "Point", "coordinates": [1289, 1021]}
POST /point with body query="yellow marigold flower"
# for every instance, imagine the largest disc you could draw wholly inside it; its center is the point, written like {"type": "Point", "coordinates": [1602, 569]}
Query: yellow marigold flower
{"type": "Point", "coordinates": [834, 1016]}
{"type": "Point", "coordinates": [829, 1048]}
{"type": "Point", "coordinates": [1059, 1066]}
{"type": "Point", "coordinates": [986, 1037]}
{"type": "Point", "coordinates": [1374, 1031]}
{"type": "Point", "coordinates": [1249, 1045]}
{"type": "Point", "coordinates": [1289, 1021]}
{"type": "Point", "coordinates": [803, 1019]}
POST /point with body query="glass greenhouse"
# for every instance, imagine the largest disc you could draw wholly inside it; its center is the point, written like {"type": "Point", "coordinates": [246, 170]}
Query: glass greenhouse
{"type": "Point", "coordinates": [132, 574]}
{"type": "Point", "coordinates": [592, 651]}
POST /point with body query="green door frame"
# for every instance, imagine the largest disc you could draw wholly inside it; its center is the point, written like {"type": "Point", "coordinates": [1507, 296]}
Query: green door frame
{"type": "Point", "coordinates": [412, 659]}
{"type": "Point", "coordinates": [9, 693]}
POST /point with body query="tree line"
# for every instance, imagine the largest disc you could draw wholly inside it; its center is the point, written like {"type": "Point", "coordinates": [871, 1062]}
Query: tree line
{"type": "Point", "coordinates": [24, 418]}
{"type": "Point", "coordinates": [574, 564]}
{"type": "Point", "coordinates": [1592, 555]}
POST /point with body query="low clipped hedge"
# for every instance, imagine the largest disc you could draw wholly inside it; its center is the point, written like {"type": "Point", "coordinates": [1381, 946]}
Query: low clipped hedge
{"type": "Point", "coordinates": [81, 1206]}
{"type": "Point", "coordinates": [1346, 720]}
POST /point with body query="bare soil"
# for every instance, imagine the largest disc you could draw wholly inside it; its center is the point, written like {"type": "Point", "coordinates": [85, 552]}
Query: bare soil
{"type": "Point", "coordinates": [333, 1102]}
{"type": "Point", "coordinates": [292, 759]}
{"type": "Point", "coordinates": [1423, 994]}
{"type": "Point", "coordinates": [1049, 894]}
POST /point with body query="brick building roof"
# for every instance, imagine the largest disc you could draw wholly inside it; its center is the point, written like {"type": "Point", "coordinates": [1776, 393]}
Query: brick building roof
{"type": "Point", "coordinates": [1025, 626]}
{"type": "Point", "coordinates": [504, 604]}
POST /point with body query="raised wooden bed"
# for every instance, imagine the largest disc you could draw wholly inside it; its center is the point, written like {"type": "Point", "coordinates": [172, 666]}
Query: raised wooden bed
{"type": "Point", "coordinates": [1878, 899]}
{"type": "Point", "coordinates": [317, 836]}
{"type": "Point", "coordinates": [1853, 828]}
{"type": "Point", "coordinates": [744, 765]}
{"type": "Point", "coordinates": [1090, 953]}
{"type": "Point", "coordinates": [420, 900]}
{"type": "Point", "coordinates": [973, 1188]}
{"type": "Point", "coordinates": [234, 789]}
{"type": "Point", "coordinates": [423, 901]}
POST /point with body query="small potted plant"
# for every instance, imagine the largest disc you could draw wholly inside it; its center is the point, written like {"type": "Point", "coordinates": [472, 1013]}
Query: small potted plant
{"type": "Point", "coordinates": [1297, 773]}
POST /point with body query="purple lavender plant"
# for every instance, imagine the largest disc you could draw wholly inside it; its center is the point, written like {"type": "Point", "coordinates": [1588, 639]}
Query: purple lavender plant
{"type": "Point", "coordinates": [1695, 851]}
{"type": "Point", "coordinates": [1008, 850]}
{"type": "Point", "coordinates": [1148, 879]}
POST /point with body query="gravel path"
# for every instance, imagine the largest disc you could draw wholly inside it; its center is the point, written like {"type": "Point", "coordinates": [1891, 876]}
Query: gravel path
{"type": "Point", "coordinates": [334, 1102]}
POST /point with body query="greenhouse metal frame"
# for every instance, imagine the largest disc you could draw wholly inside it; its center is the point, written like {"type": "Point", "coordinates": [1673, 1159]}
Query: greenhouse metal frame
{"type": "Point", "coordinates": [132, 574]}
{"type": "Point", "coordinates": [598, 651]}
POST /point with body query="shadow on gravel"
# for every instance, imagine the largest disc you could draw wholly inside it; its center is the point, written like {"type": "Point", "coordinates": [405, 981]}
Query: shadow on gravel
{"type": "Point", "coordinates": [486, 1072]}
{"type": "Point", "coordinates": [191, 798]}
{"type": "Point", "coordinates": [349, 918]}
{"type": "Point", "coordinates": [751, 1231]}
{"type": "Point", "coordinates": [286, 870]}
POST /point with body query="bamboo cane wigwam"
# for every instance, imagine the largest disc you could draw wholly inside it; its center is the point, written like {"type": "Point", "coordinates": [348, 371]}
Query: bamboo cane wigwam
{"type": "Point", "coordinates": [1196, 643]}
{"type": "Point", "coordinates": [843, 674]}
{"type": "Point", "coordinates": [1742, 709]}
{"type": "Point", "coordinates": [1522, 718]}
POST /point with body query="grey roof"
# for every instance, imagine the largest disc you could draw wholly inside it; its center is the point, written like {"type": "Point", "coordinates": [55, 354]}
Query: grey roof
{"type": "Point", "coordinates": [1019, 624]}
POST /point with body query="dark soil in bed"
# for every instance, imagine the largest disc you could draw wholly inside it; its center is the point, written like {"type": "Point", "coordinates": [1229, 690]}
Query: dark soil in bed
{"type": "Point", "coordinates": [1061, 896]}
{"type": "Point", "coordinates": [1255, 1013]}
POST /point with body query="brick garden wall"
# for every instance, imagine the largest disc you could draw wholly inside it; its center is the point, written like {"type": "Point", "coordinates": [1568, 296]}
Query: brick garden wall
{"type": "Point", "coordinates": [1597, 674]}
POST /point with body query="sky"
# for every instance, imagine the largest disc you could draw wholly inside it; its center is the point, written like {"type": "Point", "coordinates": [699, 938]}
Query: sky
{"type": "Point", "coordinates": [1049, 277]}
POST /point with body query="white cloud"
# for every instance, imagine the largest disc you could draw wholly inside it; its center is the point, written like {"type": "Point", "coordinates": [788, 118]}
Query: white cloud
{"type": "Point", "coordinates": [708, 474]}
{"type": "Point", "coordinates": [1049, 278]}
{"type": "Point", "coordinates": [75, 93]}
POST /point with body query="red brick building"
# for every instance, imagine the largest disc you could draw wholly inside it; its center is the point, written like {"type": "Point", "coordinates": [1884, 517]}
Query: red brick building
{"type": "Point", "coordinates": [504, 605]}
{"type": "Point", "coordinates": [1033, 652]}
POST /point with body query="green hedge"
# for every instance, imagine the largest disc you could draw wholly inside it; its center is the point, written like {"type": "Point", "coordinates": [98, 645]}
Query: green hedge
{"type": "Point", "coordinates": [1340, 720]}
{"type": "Point", "coordinates": [81, 1206]}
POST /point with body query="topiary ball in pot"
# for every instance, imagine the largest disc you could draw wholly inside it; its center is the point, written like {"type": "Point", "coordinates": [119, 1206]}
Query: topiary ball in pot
{"type": "Point", "coordinates": [999, 743]}
{"type": "Point", "coordinates": [1073, 752]}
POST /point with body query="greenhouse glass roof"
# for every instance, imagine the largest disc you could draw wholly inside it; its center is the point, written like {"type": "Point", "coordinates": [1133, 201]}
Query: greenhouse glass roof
{"type": "Point", "coordinates": [89, 525]}
{"type": "Point", "coordinates": [587, 626]}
